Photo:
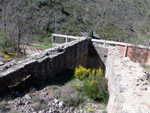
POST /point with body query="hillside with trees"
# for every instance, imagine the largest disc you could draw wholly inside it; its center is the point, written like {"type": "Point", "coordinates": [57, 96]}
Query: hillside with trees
{"type": "Point", "coordinates": [33, 20]}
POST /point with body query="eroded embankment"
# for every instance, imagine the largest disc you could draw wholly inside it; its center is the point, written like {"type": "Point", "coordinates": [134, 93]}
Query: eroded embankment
{"type": "Point", "coordinates": [127, 83]}
{"type": "Point", "coordinates": [44, 66]}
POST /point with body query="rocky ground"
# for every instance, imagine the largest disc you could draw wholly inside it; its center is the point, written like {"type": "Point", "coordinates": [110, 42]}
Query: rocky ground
{"type": "Point", "coordinates": [147, 70]}
{"type": "Point", "coordinates": [51, 99]}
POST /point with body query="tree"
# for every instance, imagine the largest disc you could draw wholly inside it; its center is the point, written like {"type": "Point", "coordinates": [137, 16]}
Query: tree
{"type": "Point", "coordinates": [91, 34]}
{"type": "Point", "coordinates": [18, 28]}
{"type": "Point", "coordinates": [4, 23]}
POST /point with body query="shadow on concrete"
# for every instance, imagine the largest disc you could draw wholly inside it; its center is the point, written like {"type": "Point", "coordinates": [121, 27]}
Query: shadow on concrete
{"type": "Point", "coordinates": [94, 59]}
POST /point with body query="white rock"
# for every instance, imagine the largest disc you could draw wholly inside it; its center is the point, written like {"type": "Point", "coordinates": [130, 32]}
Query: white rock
{"type": "Point", "coordinates": [56, 101]}
{"type": "Point", "coordinates": [44, 93]}
{"type": "Point", "coordinates": [27, 96]}
{"type": "Point", "coordinates": [61, 104]}
{"type": "Point", "coordinates": [1, 63]}
{"type": "Point", "coordinates": [49, 104]}
{"type": "Point", "coordinates": [57, 106]}
{"type": "Point", "coordinates": [40, 112]}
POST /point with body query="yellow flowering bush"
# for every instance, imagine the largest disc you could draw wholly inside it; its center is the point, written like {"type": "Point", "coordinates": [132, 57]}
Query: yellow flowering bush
{"type": "Point", "coordinates": [81, 73]}
{"type": "Point", "coordinates": [99, 72]}
{"type": "Point", "coordinates": [77, 86]}
{"type": "Point", "coordinates": [90, 109]}
{"type": "Point", "coordinates": [6, 56]}
{"type": "Point", "coordinates": [94, 83]}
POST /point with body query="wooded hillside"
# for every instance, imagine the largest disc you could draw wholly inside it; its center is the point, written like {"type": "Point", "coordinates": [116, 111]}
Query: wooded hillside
{"type": "Point", "coordinates": [119, 20]}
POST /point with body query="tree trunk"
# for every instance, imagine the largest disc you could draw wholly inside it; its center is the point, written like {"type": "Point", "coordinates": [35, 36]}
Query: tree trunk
{"type": "Point", "coordinates": [18, 42]}
{"type": "Point", "coordinates": [4, 24]}
{"type": "Point", "coordinates": [19, 33]}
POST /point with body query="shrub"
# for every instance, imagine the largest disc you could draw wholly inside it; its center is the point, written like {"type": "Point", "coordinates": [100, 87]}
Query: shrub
{"type": "Point", "coordinates": [72, 100]}
{"type": "Point", "coordinates": [57, 94]}
{"type": "Point", "coordinates": [54, 87]}
{"type": "Point", "coordinates": [6, 56]}
{"type": "Point", "coordinates": [13, 54]}
{"type": "Point", "coordinates": [96, 88]}
{"type": "Point", "coordinates": [90, 109]}
{"type": "Point", "coordinates": [77, 86]}
{"type": "Point", "coordinates": [43, 3]}
{"type": "Point", "coordinates": [82, 73]}
{"type": "Point", "coordinates": [91, 88]}
{"type": "Point", "coordinates": [15, 111]}
{"type": "Point", "coordinates": [39, 106]}
{"type": "Point", "coordinates": [3, 106]}
{"type": "Point", "coordinates": [36, 99]}
{"type": "Point", "coordinates": [94, 83]}
{"type": "Point", "coordinates": [4, 51]}
{"type": "Point", "coordinates": [91, 34]}
{"type": "Point", "coordinates": [47, 40]}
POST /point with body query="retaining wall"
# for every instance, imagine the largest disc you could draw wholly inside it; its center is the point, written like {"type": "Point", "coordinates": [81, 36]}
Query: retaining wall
{"type": "Point", "coordinates": [43, 66]}
{"type": "Point", "coordinates": [128, 86]}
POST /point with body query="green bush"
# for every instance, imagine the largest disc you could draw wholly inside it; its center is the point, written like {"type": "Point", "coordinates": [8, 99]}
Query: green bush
{"type": "Point", "coordinates": [72, 100]}
{"type": "Point", "coordinates": [57, 94]}
{"type": "Point", "coordinates": [96, 89]}
{"type": "Point", "coordinates": [54, 87]}
{"type": "Point", "coordinates": [91, 33]}
{"type": "Point", "coordinates": [45, 40]}
{"type": "Point", "coordinates": [4, 106]}
{"type": "Point", "coordinates": [91, 88]}
{"type": "Point", "coordinates": [41, 3]}
{"type": "Point", "coordinates": [36, 99]}
{"type": "Point", "coordinates": [94, 83]}
{"type": "Point", "coordinates": [14, 111]}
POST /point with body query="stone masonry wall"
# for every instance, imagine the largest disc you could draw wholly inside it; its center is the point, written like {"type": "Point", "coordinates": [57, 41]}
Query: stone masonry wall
{"type": "Point", "coordinates": [127, 83]}
{"type": "Point", "coordinates": [43, 66]}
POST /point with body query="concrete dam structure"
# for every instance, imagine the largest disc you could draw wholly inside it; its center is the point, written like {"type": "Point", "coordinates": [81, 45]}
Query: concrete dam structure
{"type": "Point", "coordinates": [128, 86]}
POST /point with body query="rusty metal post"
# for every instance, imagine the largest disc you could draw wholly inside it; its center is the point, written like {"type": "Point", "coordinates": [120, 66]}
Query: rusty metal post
{"type": "Point", "coordinates": [125, 52]}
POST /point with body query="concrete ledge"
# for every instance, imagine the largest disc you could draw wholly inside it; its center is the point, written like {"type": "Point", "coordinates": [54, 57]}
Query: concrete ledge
{"type": "Point", "coordinates": [128, 86]}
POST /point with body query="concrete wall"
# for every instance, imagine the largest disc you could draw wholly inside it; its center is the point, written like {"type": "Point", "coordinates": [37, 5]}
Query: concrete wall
{"type": "Point", "coordinates": [44, 66]}
{"type": "Point", "coordinates": [128, 86]}
{"type": "Point", "coordinates": [97, 56]}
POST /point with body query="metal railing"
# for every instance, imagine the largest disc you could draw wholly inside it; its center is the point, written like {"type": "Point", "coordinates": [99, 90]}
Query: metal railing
{"type": "Point", "coordinates": [104, 42]}
{"type": "Point", "coordinates": [66, 38]}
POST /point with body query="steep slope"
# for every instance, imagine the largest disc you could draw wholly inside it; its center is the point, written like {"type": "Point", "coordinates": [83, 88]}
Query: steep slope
{"type": "Point", "coordinates": [118, 20]}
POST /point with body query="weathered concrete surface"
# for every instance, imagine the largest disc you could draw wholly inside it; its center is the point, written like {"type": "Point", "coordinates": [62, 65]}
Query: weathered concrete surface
{"type": "Point", "coordinates": [43, 66]}
{"type": "Point", "coordinates": [97, 56]}
{"type": "Point", "coordinates": [128, 86]}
